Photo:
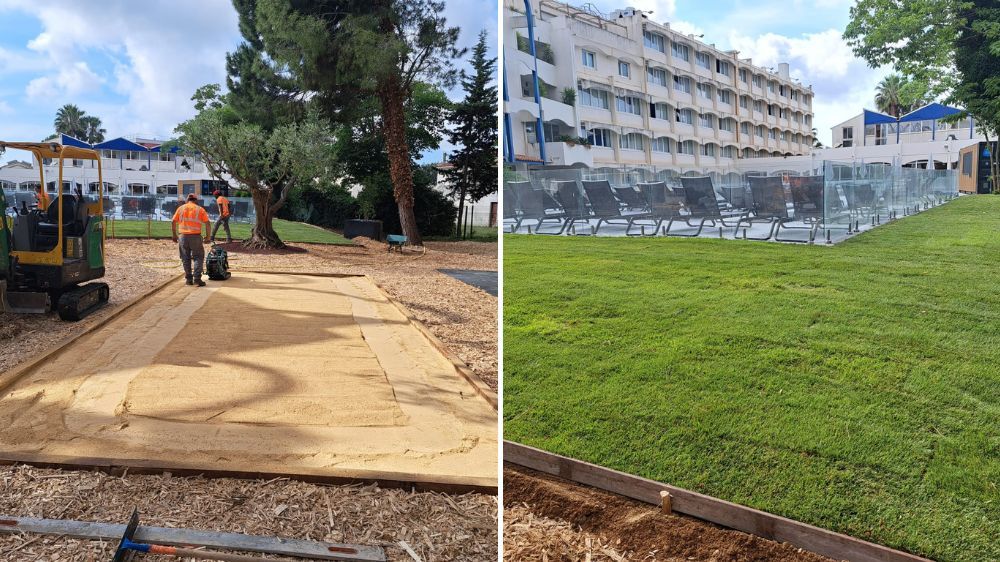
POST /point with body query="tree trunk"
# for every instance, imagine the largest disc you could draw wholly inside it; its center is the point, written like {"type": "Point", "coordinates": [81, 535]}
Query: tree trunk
{"type": "Point", "coordinates": [263, 235]}
{"type": "Point", "coordinates": [400, 170]}
{"type": "Point", "coordinates": [461, 209]}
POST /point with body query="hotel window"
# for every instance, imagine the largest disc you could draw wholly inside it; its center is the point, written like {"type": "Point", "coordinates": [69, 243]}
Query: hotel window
{"type": "Point", "coordinates": [847, 134]}
{"type": "Point", "coordinates": [627, 104]}
{"type": "Point", "coordinates": [600, 137]}
{"type": "Point", "coordinates": [744, 102]}
{"type": "Point", "coordinates": [589, 59]}
{"type": "Point", "coordinates": [682, 83]}
{"type": "Point", "coordinates": [758, 106]}
{"type": "Point", "coordinates": [703, 60]}
{"type": "Point", "coordinates": [727, 125]}
{"type": "Point", "coordinates": [594, 98]}
{"type": "Point", "coordinates": [770, 86]}
{"type": "Point", "coordinates": [656, 76]}
{"type": "Point", "coordinates": [684, 116]}
{"type": "Point", "coordinates": [758, 81]}
{"type": "Point", "coordinates": [770, 109]}
{"type": "Point", "coordinates": [760, 131]}
{"type": "Point", "coordinates": [551, 131]}
{"type": "Point", "coordinates": [726, 97]}
{"type": "Point", "coordinates": [745, 128]}
{"type": "Point", "coordinates": [722, 67]}
{"type": "Point", "coordinates": [661, 144]}
{"type": "Point", "coordinates": [659, 111]}
{"type": "Point", "coordinates": [623, 69]}
{"type": "Point", "coordinates": [728, 152]}
{"type": "Point", "coordinates": [797, 117]}
{"type": "Point", "coordinates": [631, 141]}
{"type": "Point", "coordinates": [809, 120]}
{"type": "Point", "coordinates": [653, 41]}
{"type": "Point", "coordinates": [771, 135]}
{"type": "Point", "coordinates": [784, 135]}
{"type": "Point", "coordinates": [781, 90]}
{"type": "Point", "coordinates": [795, 95]}
{"type": "Point", "coordinates": [681, 51]}
{"type": "Point", "coordinates": [705, 91]}
{"type": "Point", "coordinates": [686, 147]}
{"type": "Point", "coordinates": [706, 120]}
{"type": "Point", "coordinates": [708, 150]}
{"type": "Point", "coordinates": [743, 75]}
{"type": "Point", "coordinates": [805, 99]}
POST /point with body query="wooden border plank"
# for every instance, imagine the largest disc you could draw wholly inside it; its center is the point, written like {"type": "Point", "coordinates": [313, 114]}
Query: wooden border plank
{"type": "Point", "coordinates": [720, 512]}
{"type": "Point", "coordinates": [190, 537]}
{"type": "Point", "coordinates": [11, 376]}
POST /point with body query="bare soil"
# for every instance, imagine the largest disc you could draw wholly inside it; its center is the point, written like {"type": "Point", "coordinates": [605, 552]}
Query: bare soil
{"type": "Point", "coordinates": [548, 518]}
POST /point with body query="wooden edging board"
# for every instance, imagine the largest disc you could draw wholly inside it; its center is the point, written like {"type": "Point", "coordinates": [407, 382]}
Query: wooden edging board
{"type": "Point", "coordinates": [11, 376]}
{"type": "Point", "coordinates": [720, 512]}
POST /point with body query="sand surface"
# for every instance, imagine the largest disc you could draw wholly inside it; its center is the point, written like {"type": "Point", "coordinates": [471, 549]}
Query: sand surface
{"type": "Point", "coordinates": [265, 372]}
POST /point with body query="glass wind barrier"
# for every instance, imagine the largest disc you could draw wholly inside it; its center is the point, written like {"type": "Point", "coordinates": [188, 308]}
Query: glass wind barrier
{"type": "Point", "coordinates": [143, 207]}
{"type": "Point", "coordinates": [808, 202]}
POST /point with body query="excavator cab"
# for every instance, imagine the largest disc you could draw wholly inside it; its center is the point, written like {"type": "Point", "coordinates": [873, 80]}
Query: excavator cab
{"type": "Point", "coordinates": [48, 251]}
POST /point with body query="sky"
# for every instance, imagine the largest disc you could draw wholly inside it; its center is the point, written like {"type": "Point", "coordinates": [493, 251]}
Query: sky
{"type": "Point", "coordinates": [804, 33]}
{"type": "Point", "coordinates": [135, 64]}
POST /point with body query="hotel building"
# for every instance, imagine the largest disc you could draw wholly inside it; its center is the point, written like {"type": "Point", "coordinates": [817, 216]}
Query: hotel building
{"type": "Point", "coordinates": [585, 89]}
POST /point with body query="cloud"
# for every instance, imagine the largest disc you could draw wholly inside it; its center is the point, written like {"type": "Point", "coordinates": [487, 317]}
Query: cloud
{"type": "Point", "coordinates": [73, 80]}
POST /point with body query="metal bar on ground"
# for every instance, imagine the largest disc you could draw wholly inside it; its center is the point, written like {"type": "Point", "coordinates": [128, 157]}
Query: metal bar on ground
{"type": "Point", "coordinates": [714, 510]}
{"type": "Point", "coordinates": [189, 537]}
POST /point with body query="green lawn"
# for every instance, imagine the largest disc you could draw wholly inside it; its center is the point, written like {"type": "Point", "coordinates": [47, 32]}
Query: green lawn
{"type": "Point", "coordinates": [478, 234]}
{"type": "Point", "coordinates": [288, 231]}
{"type": "Point", "coordinates": [854, 387]}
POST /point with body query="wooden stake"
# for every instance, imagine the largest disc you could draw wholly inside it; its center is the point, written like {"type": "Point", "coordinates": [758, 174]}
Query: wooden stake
{"type": "Point", "coordinates": [666, 503]}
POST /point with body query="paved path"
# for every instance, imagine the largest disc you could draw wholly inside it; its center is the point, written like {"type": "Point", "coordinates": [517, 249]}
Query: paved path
{"type": "Point", "coordinates": [485, 280]}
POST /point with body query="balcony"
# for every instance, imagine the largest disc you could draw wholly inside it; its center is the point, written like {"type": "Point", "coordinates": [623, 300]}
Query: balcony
{"type": "Point", "coordinates": [569, 154]}
{"type": "Point", "coordinates": [556, 110]}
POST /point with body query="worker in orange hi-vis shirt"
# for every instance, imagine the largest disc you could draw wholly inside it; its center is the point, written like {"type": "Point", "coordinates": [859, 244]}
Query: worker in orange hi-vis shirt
{"type": "Point", "coordinates": [224, 214]}
{"type": "Point", "coordinates": [188, 220]}
{"type": "Point", "coordinates": [43, 198]}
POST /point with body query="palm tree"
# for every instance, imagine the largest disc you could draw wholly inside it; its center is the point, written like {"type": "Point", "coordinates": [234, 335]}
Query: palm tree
{"type": "Point", "coordinates": [888, 95]}
{"type": "Point", "coordinates": [69, 120]}
{"type": "Point", "coordinates": [93, 133]}
{"type": "Point", "coordinates": [815, 136]}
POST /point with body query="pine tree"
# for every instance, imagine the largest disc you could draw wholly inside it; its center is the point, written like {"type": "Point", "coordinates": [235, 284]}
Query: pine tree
{"type": "Point", "coordinates": [474, 175]}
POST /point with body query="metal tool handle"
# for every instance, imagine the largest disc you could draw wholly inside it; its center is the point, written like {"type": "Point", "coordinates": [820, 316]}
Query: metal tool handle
{"type": "Point", "coordinates": [204, 554]}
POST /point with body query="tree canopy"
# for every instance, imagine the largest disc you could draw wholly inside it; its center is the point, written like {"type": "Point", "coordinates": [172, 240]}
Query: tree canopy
{"type": "Point", "coordinates": [73, 121]}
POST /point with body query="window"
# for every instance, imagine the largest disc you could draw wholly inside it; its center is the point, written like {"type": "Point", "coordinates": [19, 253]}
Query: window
{"type": "Point", "coordinates": [703, 60]}
{"type": "Point", "coordinates": [708, 150]}
{"type": "Point", "coordinates": [770, 109]}
{"type": "Point", "coordinates": [758, 80]}
{"type": "Point", "coordinates": [661, 144]}
{"type": "Point", "coordinates": [600, 137]}
{"type": "Point", "coordinates": [795, 95]}
{"type": "Point", "coordinates": [758, 106]}
{"type": "Point", "coordinates": [727, 125]}
{"type": "Point", "coordinates": [680, 51]}
{"type": "Point", "coordinates": [743, 75]}
{"type": "Point", "coordinates": [782, 90]}
{"type": "Point", "coordinates": [759, 130]}
{"type": "Point", "coordinates": [728, 152]}
{"type": "Point", "coordinates": [686, 147]}
{"type": "Point", "coordinates": [797, 117]}
{"type": "Point", "coordinates": [722, 67]}
{"type": "Point", "coordinates": [784, 135]}
{"type": "Point", "coordinates": [659, 111]}
{"type": "Point", "coordinates": [726, 97]}
{"type": "Point", "coordinates": [685, 116]}
{"type": "Point", "coordinates": [627, 104]}
{"type": "Point", "coordinates": [656, 76]}
{"type": "Point", "coordinates": [805, 99]}
{"type": "Point", "coordinates": [594, 98]}
{"type": "Point", "coordinates": [967, 164]}
{"type": "Point", "coordinates": [653, 41]}
{"type": "Point", "coordinates": [623, 69]}
{"type": "Point", "coordinates": [770, 86]}
{"type": "Point", "coordinates": [771, 135]}
{"type": "Point", "coordinates": [847, 134]}
{"type": "Point", "coordinates": [744, 102]}
{"type": "Point", "coordinates": [589, 59]}
{"type": "Point", "coordinates": [706, 120]}
{"type": "Point", "coordinates": [809, 120]}
{"type": "Point", "coordinates": [745, 128]}
{"type": "Point", "coordinates": [704, 91]}
{"type": "Point", "coordinates": [682, 83]}
{"type": "Point", "coordinates": [631, 141]}
{"type": "Point", "coordinates": [551, 131]}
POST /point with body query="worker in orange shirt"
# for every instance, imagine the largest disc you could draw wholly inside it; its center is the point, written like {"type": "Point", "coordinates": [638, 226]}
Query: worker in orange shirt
{"type": "Point", "coordinates": [188, 220]}
{"type": "Point", "coordinates": [224, 215]}
{"type": "Point", "coordinates": [43, 198]}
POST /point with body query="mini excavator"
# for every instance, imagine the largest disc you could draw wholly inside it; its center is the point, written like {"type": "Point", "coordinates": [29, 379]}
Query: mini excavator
{"type": "Point", "coordinates": [47, 255]}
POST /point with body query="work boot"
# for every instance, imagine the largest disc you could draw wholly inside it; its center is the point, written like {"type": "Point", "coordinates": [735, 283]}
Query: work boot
{"type": "Point", "coordinates": [199, 282]}
{"type": "Point", "coordinates": [188, 280]}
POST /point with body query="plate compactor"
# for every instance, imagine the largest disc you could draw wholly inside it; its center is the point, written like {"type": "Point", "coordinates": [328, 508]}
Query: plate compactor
{"type": "Point", "coordinates": [48, 252]}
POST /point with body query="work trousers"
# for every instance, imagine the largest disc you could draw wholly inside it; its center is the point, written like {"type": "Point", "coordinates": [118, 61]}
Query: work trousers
{"type": "Point", "coordinates": [192, 249]}
{"type": "Point", "coordinates": [223, 221]}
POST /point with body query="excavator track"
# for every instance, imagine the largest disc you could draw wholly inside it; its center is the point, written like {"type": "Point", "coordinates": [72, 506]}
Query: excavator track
{"type": "Point", "coordinates": [78, 302]}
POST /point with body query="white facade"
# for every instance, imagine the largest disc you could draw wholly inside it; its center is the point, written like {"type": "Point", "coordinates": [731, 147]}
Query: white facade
{"type": "Point", "coordinates": [853, 132]}
{"type": "Point", "coordinates": [645, 94]}
{"type": "Point", "coordinates": [483, 212]}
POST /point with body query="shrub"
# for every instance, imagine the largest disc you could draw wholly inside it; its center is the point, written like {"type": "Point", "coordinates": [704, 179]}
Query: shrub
{"type": "Point", "coordinates": [569, 96]}
{"type": "Point", "coordinates": [327, 205]}
{"type": "Point", "coordinates": [435, 212]}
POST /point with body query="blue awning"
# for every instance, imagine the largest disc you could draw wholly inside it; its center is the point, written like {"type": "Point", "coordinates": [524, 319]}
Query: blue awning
{"type": "Point", "coordinates": [875, 118]}
{"type": "Point", "coordinates": [173, 149]}
{"type": "Point", "coordinates": [67, 140]}
{"type": "Point", "coordinates": [120, 144]}
{"type": "Point", "coordinates": [930, 111]}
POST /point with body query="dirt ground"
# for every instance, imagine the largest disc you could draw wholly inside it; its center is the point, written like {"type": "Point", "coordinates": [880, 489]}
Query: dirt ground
{"type": "Point", "coordinates": [434, 526]}
{"type": "Point", "coordinates": [550, 519]}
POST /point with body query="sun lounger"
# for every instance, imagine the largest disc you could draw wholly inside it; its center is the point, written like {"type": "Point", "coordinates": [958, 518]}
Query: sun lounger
{"type": "Point", "coordinates": [604, 207]}
{"type": "Point", "coordinates": [808, 201]}
{"type": "Point", "coordinates": [531, 205]}
{"type": "Point", "coordinates": [664, 204]}
{"type": "Point", "coordinates": [701, 204]}
{"type": "Point", "coordinates": [768, 206]}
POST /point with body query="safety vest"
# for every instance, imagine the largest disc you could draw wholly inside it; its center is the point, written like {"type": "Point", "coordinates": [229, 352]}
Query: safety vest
{"type": "Point", "coordinates": [43, 199]}
{"type": "Point", "coordinates": [223, 206]}
{"type": "Point", "coordinates": [189, 218]}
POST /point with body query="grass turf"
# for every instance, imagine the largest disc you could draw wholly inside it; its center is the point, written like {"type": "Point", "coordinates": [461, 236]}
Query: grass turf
{"type": "Point", "coordinates": [854, 387]}
{"type": "Point", "coordinates": [288, 231]}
